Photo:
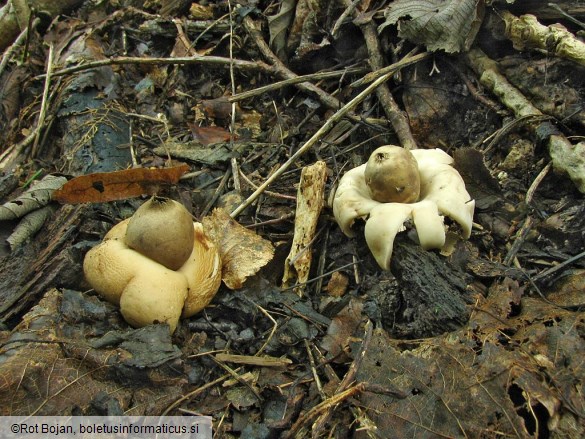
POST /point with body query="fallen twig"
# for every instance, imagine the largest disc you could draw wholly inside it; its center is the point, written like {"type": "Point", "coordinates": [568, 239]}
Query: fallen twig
{"type": "Point", "coordinates": [210, 60]}
{"type": "Point", "coordinates": [347, 380]}
{"type": "Point", "coordinates": [44, 101]}
{"type": "Point", "coordinates": [197, 391]}
{"type": "Point", "coordinates": [293, 81]}
{"type": "Point", "coordinates": [269, 193]}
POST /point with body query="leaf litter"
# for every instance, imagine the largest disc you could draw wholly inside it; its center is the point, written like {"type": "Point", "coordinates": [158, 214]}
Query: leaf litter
{"type": "Point", "coordinates": [484, 342]}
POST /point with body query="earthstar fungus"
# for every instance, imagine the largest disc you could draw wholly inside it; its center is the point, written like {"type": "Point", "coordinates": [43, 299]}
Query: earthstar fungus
{"type": "Point", "coordinates": [157, 265]}
{"type": "Point", "coordinates": [441, 193]}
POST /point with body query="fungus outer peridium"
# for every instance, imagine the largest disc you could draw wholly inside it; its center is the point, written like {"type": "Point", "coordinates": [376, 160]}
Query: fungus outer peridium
{"type": "Point", "coordinates": [442, 193]}
{"type": "Point", "coordinates": [203, 273]}
{"type": "Point", "coordinates": [147, 291]}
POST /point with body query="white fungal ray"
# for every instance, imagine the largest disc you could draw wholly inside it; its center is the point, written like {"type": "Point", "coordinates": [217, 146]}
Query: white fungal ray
{"type": "Point", "coordinates": [384, 223]}
{"type": "Point", "coordinates": [352, 199]}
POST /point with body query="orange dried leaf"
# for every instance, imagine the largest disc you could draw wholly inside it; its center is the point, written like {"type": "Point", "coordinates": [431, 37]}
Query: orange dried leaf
{"type": "Point", "coordinates": [208, 135]}
{"type": "Point", "coordinates": [337, 285]}
{"type": "Point", "coordinates": [118, 185]}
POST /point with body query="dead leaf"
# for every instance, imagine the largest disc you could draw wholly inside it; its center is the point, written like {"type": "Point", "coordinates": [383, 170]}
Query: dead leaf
{"type": "Point", "coordinates": [29, 226]}
{"type": "Point", "coordinates": [342, 328]}
{"type": "Point", "coordinates": [568, 290]}
{"type": "Point", "coordinates": [73, 44]}
{"type": "Point", "coordinates": [242, 251]}
{"type": "Point", "coordinates": [305, 28]}
{"type": "Point", "coordinates": [337, 285]}
{"type": "Point", "coordinates": [241, 397]}
{"type": "Point", "coordinates": [439, 25]}
{"type": "Point", "coordinates": [118, 185]}
{"type": "Point", "coordinates": [209, 135]}
{"type": "Point", "coordinates": [212, 155]}
{"type": "Point", "coordinates": [481, 185]}
{"type": "Point", "coordinates": [506, 372]}
{"type": "Point", "coordinates": [278, 26]}
{"type": "Point", "coordinates": [219, 109]}
{"type": "Point", "coordinates": [10, 94]}
{"type": "Point", "coordinates": [45, 372]}
{"type": "Point", "coordinates": [201, 12]}
{"type": "Point", "coordinates": [37, 196]}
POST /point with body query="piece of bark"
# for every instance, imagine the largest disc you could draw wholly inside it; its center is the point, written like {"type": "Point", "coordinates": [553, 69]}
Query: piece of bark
{"type": "Point", "coordinates": [48, 262]}
{"type": "Point", "coordinates": [310, 200]}
{"type": "Point", "coordinates": [424, 295]}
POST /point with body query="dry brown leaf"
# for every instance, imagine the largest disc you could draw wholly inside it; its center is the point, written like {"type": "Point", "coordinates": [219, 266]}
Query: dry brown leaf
{"type": "Point", "coordinates": [74, 44]}
{"type": "Point", "coordinates": [208, 135]}
{"type": "Point", "coordinates": [201, 12]}
{"type": "Point", "coordinates": [439, 25]}
{"type": "Point", "coordinates": [568, 290]}
{"type": "Point", "coordinates": [516, 369]}
{"type": "Point", "coordinates": [342, 328]}
{"type": "Point", "coordinates": [10, 85]}
{"type": "Point", "coordinates": [242, 251]}
{"type": "Point", "coordinates": [37, 196]}
{"type": "Point", "coordinates": [47, 373]}
{"type": "Point", "coordinates": [29, 226]}
{"type": "Point", "coordinates": [118, 185]}
{"type": "Point", "coordinates": [278, 26]}
{"type": "Point", "coordinates": [219, 109]}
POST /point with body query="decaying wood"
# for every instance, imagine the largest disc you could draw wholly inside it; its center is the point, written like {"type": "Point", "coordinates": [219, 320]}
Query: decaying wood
{"type": "Point", "coordinates": [310, 200]}
{"type": "Point", "coordinates": [490, 76]}
{"type": "Point", "coordinates": [45, 263]}
{"type": "Point", "coordinates": [434, 292]}
{"type": "Point", "coordinates": [566, 157]}
{"type": "Point", "coordinates": [527, 33]}
{"type": "Point", "coordinates": [253, 360]}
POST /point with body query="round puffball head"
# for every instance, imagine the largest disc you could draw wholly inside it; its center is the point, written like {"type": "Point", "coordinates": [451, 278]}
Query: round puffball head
{"type": "Point", "coordinates": [392, 175]}
{"type": "Point", "coordinates": [162, 230]}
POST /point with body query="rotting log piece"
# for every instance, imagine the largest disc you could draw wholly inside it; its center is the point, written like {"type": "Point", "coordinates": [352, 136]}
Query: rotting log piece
{"type": "Point", "coordinates": [49, 261]}
{"type": "Point", "coordinates": [425, 295]}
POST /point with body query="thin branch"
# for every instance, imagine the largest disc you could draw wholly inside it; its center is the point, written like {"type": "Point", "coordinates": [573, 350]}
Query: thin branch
{"type": "Point", "coordinates": [44, 102]}
{"type": "Point", "coordinates": [196, 392]}
{"type": "Point", "coordinates": [269, 193]}
{"type": "Point", "coordinates": [198, 59]}
{"type": "Point", "coordinates": [293, 81]}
